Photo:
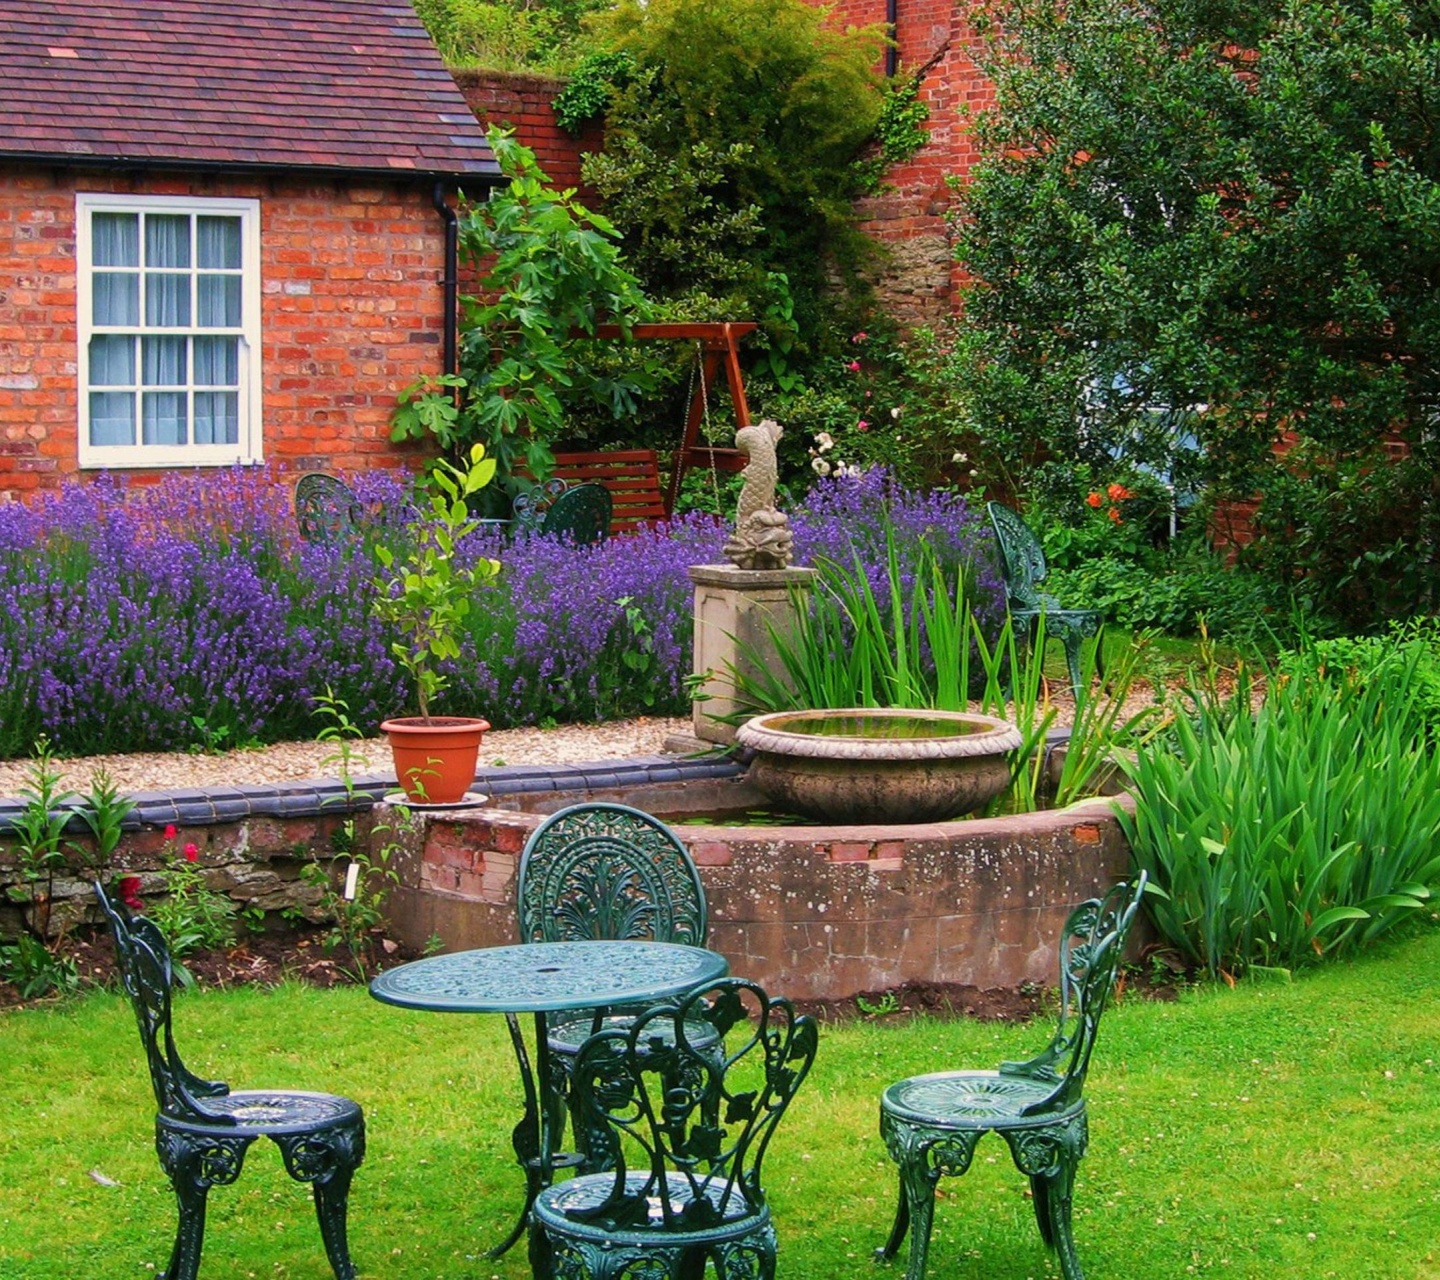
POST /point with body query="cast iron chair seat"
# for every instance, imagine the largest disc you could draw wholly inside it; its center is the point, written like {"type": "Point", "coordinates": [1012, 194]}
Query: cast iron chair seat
{"type": "Point", "coordinates": [572, 1204]}
{"type": "Point", "coordinates": [567, 1034]}
{"type": "Point", "coordinates": [1023, 563]}
{"type": "Point", "coordinates": [326, 509]}
{"type": "Point", "coordinates": [697, 1123]}
{"type": "Point", "coordinates": [967, 1099]}
{"type": "Point", "coordinates": [265, 1112]}
{"type": "Point", "coordinates": [932, 1123]}
{"type": "Point", "coordinates": [203, 1130]}
{"type": "Point", "coordinates": [605, 872]}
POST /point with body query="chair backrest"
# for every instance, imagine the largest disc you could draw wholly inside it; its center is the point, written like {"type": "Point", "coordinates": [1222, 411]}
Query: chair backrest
{"type": "Point", "coordinates": [1091, 947]}
{"type": "Point", "coordinates": [608, 872]}
{"type": "Point", "coordinates": [581, 514]}
{"type": "Point", "coordinates": [661, 1092]}
{"type": "Point", "coordinates": [530, 505]}
{"type": "Point", "coordinates": [326, 509]}
{"type": "Point", "coordinates": [142, 959]}
{"type": "Point", "coordinates": [1022, 557]}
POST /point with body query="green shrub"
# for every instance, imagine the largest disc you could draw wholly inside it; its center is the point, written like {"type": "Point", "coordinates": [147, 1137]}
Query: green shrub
{"type": "Point", "coordinates": [546, 36]}
{"type": "Point", "coordinates": [1299, 831]}
{"type": "Point", "coordinates": [549, 272]}
{"type": "Point", "coordinates": [730, 150]}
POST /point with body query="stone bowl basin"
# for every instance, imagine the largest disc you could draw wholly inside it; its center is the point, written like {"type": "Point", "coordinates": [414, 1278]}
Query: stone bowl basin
{"type": "Point", "coordinates": [879, 764]}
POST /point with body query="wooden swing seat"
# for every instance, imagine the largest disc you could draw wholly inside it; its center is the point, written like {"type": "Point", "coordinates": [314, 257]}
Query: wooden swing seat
{"type": "Point", "coordinates": [631, 475]}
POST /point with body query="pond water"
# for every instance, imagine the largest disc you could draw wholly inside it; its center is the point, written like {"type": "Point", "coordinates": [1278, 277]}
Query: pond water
{"type": "Point", "coordinates": [878, 728]}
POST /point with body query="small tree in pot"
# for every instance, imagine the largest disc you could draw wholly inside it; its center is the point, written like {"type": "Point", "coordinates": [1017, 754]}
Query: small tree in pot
{"type": "Point", "coordinates": [425, 592]}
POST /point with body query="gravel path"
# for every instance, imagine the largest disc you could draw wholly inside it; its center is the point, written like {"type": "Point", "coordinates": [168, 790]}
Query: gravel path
{"type": "Point", "coordinates": [293, 761]}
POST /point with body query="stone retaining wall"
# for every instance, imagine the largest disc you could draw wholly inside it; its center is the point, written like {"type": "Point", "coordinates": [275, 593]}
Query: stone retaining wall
{"type": "Point", "coordinates": [813, 912]}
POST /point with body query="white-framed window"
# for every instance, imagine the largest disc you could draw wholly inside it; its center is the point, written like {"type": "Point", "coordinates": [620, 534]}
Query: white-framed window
{"type": "Point", "coordinates": [169, 330]}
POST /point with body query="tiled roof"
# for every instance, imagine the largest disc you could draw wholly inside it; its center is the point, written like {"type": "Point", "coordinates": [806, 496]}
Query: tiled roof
{"type": "Point", "coordinates": [311, 84]}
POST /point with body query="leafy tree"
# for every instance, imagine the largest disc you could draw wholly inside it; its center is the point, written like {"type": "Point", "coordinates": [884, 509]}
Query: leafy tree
{"type": "Point", "coordinates": [549, 273]}
{"type": "Point", "coordinates": [1233, 207]}
{"type": "Point", "coordinates": [732, 132]}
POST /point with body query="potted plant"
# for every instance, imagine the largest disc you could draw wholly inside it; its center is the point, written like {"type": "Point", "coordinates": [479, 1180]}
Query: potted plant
{"type": "Point", "coordinates": [425, 594]}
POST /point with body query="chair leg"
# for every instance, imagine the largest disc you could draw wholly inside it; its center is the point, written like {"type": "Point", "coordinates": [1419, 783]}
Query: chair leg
{"type": "Point", "coordinates": [194, 1163]}
{"type": "Point", "coordinates": [1048, 1156]}
{"type": "Point", "coordinates": [328, 1161]}
{"type": "Point", "coordinates": [1040, 1199]}
{"type": "Point", "coordinates": [1072, 641]}
{"type": "Point", "coordinates": [887, 1251]}
{"type": "Point", "coordinates": [752, 1258]}
{"type": "Point", "coordinates": [1057, 1204]}
{"type": "Point", "coordinates": [923, 1156]}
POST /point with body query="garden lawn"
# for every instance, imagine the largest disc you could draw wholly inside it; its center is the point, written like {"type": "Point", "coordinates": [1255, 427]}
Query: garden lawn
{"type": "Point", "coordinates": [1271, 1130]}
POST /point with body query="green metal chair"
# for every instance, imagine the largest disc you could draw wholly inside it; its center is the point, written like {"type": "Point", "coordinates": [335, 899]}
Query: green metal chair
{"type": "Point", "coordinates": [931, 1124]}
{"type": "Point", "coordinates": [607, 872]}
{"type": "Point", "coordinates": [326, 509]}
{"type": "Point", "coordinates": [531, 505]}
{"type": "Point", "coordinates": [1023, 562]}
{"type": "Point", "coordinates": [202, 1130]}
{"type": "Point", "coordinates": [697, 1126]}
{"type": "Point", "coordinates": [581, 514]}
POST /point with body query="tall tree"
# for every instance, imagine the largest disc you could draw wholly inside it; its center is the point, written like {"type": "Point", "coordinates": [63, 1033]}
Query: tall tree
{"type": "Point", "coordinates": [1229, 205]}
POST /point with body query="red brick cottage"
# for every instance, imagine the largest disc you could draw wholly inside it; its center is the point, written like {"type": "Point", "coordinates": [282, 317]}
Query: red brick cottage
{"type": "Point", "coordinates": [224, 231]}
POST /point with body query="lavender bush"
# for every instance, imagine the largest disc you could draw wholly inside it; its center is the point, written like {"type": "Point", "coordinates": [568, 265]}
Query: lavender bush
{"type": "Point", "coordinates": [187, 613]}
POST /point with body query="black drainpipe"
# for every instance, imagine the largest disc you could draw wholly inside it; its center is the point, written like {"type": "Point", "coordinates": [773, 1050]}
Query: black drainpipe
{"type": "Point", "coordinates": [450, 280]}
{"type": "Point", "coordinates": [892, 54]}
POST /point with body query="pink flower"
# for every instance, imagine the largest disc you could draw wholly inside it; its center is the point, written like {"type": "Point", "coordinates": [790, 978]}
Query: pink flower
{"type": "Point", "coordinates": [854, 366]}
{"type": "Point", "coordinates": [860, 337]}
{"type": "Point", "coordinates": [169, 831]}
{"type": "Point", "coordinates": [862, 425]}
{"type": "Point", "coordinates": [192, 852]}
{"type": "Point", "coordinates": [130, 892]}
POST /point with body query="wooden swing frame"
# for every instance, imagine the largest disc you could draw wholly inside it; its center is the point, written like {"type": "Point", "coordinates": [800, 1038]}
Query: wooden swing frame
{"type": "Point", "coordinates": [720, 349]}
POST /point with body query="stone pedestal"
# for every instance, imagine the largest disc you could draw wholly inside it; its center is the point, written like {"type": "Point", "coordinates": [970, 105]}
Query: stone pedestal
{"type": "Point", "coordinates": [734, 612]}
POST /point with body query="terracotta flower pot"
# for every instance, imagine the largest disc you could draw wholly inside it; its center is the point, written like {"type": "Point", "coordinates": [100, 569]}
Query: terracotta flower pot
{"type": "Point", "coordinates": [435, 758]}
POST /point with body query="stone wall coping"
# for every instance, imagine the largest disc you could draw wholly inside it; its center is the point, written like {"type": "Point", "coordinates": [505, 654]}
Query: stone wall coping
{"type": "Point", "coordinates": [323, 797]}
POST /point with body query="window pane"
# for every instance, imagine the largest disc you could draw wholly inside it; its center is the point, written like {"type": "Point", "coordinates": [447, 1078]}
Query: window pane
{"type": "Point", "coordinates": [117, 298]}
{"type": "Point", "coordinates": [219, 302]}
{"type": "Point", "coordinates": [217, 417]}
{"type": "Point", "coordinates": [217, 243]}
{"type": "Point", "coordinates": [115, 239]}
{"type": "Point", "coordinates": [162, 417]}
{"type": "Point", "coordinates": [167, 301]}
{"type": "Point", "coordinates": [217, 362]}
{"type": "Point", "coordinates": [167, 240]}
{"type": "Point", "coordinates": [112, 360]}
{"type": "Point", "coordinates": [112, 417]}
{"type": "Point", "coordinates": [163, 360]}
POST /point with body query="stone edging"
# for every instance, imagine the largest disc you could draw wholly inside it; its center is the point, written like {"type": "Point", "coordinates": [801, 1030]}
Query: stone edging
{"type": "Point", "coordinates": [317, 797]}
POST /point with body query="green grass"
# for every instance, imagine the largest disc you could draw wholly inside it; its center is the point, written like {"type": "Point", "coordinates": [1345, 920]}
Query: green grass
{"type": "Point", "coordinates": [1267, 1131]}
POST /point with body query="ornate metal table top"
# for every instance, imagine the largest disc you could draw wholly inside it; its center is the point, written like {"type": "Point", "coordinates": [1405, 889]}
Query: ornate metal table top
{"type": "Point", "coordinates": [548, 976]}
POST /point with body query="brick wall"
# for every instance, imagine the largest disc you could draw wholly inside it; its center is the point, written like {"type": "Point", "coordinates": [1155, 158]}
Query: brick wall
{"type": "Point", "coordinates": [814, 912]}
{"type": "Point", "coordinates": [351, 313]}
{"type": "Point", "coordinates": [522, 103]}
{"type": "Point", "coordinates": [909, 217]}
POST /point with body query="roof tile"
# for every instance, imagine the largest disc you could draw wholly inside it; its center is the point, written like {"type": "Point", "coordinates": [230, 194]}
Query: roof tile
{"type": "Point", "coordinates": [315, 84]}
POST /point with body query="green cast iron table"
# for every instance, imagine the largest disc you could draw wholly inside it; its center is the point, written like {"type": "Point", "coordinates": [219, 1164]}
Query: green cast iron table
{"type": "Point", "coordinates": [543, 978]}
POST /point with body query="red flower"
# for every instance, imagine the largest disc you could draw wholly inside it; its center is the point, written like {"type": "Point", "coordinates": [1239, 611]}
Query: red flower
{"type": "Point", "coordinates": [1093, 500]}
{"type": "Point", "coordinates": [854, 366]}
{"type": "Point", "coordinates": [130, 892]}
{"type": "Point", "coordinates": [1114, 515]}
{"type": "Point", "coordinates": [1118, 493]}
{"type": "Point", "coordinates": [862, 425]}
{"type": "Point", "coordinates": [192, 852]}
{"type": "Point", "coordinates": [169, 831]}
